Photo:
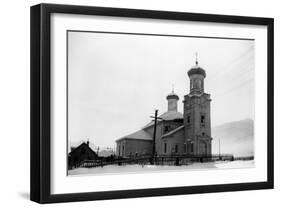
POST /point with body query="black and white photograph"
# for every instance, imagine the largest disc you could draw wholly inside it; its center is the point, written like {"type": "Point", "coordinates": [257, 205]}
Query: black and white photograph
{"type": "Point", "coordinates": [133, 103]}
{"type": "Point", "coordinates": [139, 102]}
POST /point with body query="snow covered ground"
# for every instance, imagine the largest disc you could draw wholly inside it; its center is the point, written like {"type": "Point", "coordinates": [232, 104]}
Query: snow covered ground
{"type": "Point", "coordinates": [114, 169]}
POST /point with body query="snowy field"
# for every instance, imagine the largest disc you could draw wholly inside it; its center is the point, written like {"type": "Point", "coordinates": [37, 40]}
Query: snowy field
{"type": "Point", "coordinates": [114, 169]}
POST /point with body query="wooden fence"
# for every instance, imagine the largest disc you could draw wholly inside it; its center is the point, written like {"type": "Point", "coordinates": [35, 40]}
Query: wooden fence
{"type": "Point", "coordinates": [176, 160]}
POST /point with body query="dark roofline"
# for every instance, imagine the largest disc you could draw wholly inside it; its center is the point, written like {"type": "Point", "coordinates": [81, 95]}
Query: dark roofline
{"type": "Point", "coordinates": [133, 139]}
{"type": "Point", "coordinates": [81, 146]}
{"type": "Point", "coordinates": [172, 96]}
{"type": "Point", "coordinates": [173, 131]}
{"type": "Point", "coordinates": [159, 122]}
{"type": "Point", "coordinates": [197, 95]}
{"type": "Point", "coordinates": [152, 124]}
{"type": "Point", "coordinates": [196, 70]}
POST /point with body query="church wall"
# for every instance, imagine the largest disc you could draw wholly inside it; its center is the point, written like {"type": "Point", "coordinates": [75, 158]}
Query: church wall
{"type": "Point", "coordinates": [176, 139]}
{"type": "Point", "coordinates": [119, 147]}
{"type": "Point", "coordinates": [159, 132]}
{"type": "Point", "coordinates": [133, 147]}
{"type": "Point", "coordinates": [197, 83]}
{"type": "Point", "coordinates": [191, 110]}
{"type": "Point", "coordinates": [172, 105]}
{"type": "Point", "coordinates": [196, 107]}
{"type": "Point", "coordinates": [205, 109]}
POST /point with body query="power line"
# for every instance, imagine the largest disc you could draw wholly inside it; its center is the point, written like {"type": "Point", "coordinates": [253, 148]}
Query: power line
{"type": "Point", "coordinates": [231, 90]}
{"type": "Point", "coordinates": [230, 65]}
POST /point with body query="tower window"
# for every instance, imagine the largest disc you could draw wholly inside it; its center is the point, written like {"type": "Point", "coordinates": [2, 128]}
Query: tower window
{"type": "Point", "coordinates": [188, 119]}
{"type": "Point", "coordinates": [166, 129]}
{"type": "Point", "coordinates": [202, 119]}
{"type": "Point", "coordinates": [191, 147]}
{"type": "Point", "coordinates": [165, 147]}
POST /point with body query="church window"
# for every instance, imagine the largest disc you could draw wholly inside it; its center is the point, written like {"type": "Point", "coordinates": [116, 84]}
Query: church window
{"type": "Point", "coordinates": [176, 148]}
{"type": "Point", "coordinates": [199, 83]}
{"type": "Point", "coordinates": [166, 129]}
{"type": "Point", "coordinates": [188, 119]}
{"type": "Point", "coordinates": [123, 149]}
{"type": "Point", "coordinates": [202, 119]}
{"type": "Point", "coordinates": [165, 147]}
{"type": "Point", "coordinates": [191, 147]}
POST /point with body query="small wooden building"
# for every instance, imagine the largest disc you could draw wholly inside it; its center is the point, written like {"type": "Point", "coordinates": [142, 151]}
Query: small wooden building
{"type": "Point", "coordinates": [81, 153]}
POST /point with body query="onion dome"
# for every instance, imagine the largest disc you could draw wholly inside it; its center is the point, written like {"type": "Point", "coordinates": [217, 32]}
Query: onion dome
{"type": "Point", "coordinates": [196, 70]}
{"type": "Point", "coordinates": [172, 96]}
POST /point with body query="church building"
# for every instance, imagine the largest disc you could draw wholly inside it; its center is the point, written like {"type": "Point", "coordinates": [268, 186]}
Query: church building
{"type": "Point", "coordinates": [176, 133]}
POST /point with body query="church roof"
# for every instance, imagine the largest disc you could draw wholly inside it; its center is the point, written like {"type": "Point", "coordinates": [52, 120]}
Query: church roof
{"type": "Point", "coordinates": [173, 96]}
{"type": "Point", "coordinates": [196, 70]}
{"type": "Point", "coordinates": [141, 134]}
{"type": "Point", "coordinates": [173, 131]}
{"type": "Point", "coordinates": [167, 116]}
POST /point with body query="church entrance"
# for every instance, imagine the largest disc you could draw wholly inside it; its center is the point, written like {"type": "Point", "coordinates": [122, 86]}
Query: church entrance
{"type": "Point", "coordinates": [202, 147]}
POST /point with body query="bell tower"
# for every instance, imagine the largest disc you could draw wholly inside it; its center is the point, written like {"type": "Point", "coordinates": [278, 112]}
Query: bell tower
{"type": "Point", "coordinates": [197, 117]}
{"type": "Point", "coordinates": [197, 76]}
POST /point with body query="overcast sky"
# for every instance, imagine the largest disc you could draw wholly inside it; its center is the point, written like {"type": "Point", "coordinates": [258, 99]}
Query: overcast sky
{"type": "Point", "coordinates": [117, 80]}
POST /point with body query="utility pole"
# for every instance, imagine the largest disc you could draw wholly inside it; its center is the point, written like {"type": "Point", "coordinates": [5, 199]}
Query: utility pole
{"type": "Point", "coordinates": [155, 117]}
{"type": "Point", "coordinates": [219, 149]}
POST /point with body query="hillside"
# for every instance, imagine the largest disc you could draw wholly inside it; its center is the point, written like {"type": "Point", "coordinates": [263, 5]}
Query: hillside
{"type": "Point", "coordinates": [235, 138]}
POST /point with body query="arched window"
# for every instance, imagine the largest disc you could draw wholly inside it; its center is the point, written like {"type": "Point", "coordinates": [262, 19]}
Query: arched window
{"type": "Point", "coordinates": [188, 119]}
{"type": "Point", "coordinates": [202, 119]}
{"type": "Point", "coordinates": [191, 147]}
{"type": "Point", "coordinates": [199, 83]}
{"type": "Point", "coordinates": [166, 129]}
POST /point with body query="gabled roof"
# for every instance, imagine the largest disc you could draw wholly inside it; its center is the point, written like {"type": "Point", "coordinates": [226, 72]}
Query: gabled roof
{"type": "Point", "coordinates": [141, 134]}
{"type": "Point", "coordinates": [167, 116]}
{"type": "Point", "coordinates": [83, 144]}
{"type": "Point", "coordinates": [173, 131]}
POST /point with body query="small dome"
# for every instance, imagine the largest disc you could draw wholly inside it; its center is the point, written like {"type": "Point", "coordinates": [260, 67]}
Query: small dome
{"type": "Point", "coordinates": [173, 96]}
{"type": "Point", "coordinates": [196, 70]}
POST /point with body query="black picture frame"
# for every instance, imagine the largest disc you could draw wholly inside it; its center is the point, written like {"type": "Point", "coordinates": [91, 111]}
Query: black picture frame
{"type": "Point", "coordinates": [40, 184]}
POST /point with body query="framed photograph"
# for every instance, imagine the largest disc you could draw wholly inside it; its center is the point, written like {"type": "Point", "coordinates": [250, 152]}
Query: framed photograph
{"type": "Point", "coordinates": [133, 103]}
